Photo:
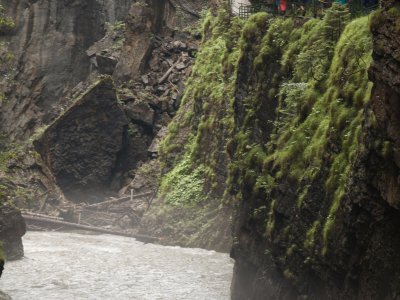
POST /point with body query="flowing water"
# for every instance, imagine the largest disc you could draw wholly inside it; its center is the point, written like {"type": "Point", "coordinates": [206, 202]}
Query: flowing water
{"type": "Point", "coordinates": [70, 266]}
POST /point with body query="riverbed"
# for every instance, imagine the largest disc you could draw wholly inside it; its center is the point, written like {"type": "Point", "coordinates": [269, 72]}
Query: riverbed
{"type": "Point", "coordinates": [70, 266]}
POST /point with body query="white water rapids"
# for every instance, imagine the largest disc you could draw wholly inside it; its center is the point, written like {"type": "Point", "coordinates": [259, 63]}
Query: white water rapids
{"type": "Point", "coordinates": [67, 266]}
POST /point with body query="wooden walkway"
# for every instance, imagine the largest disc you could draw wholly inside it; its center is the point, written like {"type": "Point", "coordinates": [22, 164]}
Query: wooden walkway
{"type": "Point", "coordinates": [51, 222]}
{"type": "Point", "coordinates": [93, 217]}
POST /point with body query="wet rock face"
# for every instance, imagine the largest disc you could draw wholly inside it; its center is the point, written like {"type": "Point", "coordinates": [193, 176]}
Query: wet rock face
{"type": "Point", "coordinates": [385, 72]}
{"type": "Point", "coordinates": [61, 47]}
{"type": "Point", "coordinates": [48, 47]}
{"type": "Point", "coordinates": [82, 147]}
{"type": "Point", "coordinates": [12, 228]}
{"type": "Point", "coordinates": [138, 45]}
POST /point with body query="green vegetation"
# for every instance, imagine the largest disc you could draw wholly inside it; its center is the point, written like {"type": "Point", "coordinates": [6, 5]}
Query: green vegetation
{"type": "Point", "coordinates": [379, 16]}
{"type": "Point", "coordinates": [183, 184]}
{"type": "Point", "coordinates": [316, 77]}
{"type": "Point", "coordinates": [271, 220]}
{"type": "Point", "coordinates": [290, 251]}
{"type": "Point", "coordinates": [288, 274]}
{"type": "Point", "coordinates": [209, 93]}
{"type": "Point", "coordinates": [11, 157]}
{"type": "Point", "coordinates": [8, 152]}
{"type": "Point", "coordinates": [295, 122]}
{"type": "Point", "coordinates": [6, 24]}
{"type": "Point", "coordinates": [310, 236]}
{"type": "Point", "coordinates": [387, 149]}
{"type": "Point", "coordinates": [38, 133]}
{"type": "Point", "coordinates": [394, 13]}
{"type": "Point", "coordinates": [117, 31]}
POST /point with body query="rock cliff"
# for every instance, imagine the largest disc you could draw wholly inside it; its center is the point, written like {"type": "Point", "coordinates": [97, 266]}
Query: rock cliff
{"type": "Point", "coordinates": [317, 216]}
{"type": "Point", "coordinates": [12, 228]}
{"type": "Point", "coordinates": [91, 132]}
{"type": "Point", "coordinates": [57, 50]}
{"type": "Point", "coordinates": [49, 58]}
{"type": "Point", "coordinates": [286, 128]}
{"type": "Point", "coordinates": [307, 113]}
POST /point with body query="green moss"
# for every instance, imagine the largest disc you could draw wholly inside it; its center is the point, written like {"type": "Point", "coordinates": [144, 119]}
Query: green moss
{"type": "Point", "coordinates": [259, 211]}
{"type": "Point", "coordinates": [394, 13]}
{"type": "Point", "coordinates": [310, 236]}
{"type": "Point", "coordinates": [117, 30]}
{"type": "Point", "coordinates": [9, 152]}
{"type": "Point", "coordinates": [206, 113]}
{"type": "Point", "coordinates": [290, 251]}
{"type": "Point", "coordinates": [302, 196]}
{"type": "Point", "coordinates": [184, 184]}
{"type": "Point", "coordinates": [387, 149]}
{"type": "Point", "coordinates": [6, 26]}
{"type": "Point", "coordinates": [38, 133]}
{"type": "Point", "coordinates": [317, 74]}
{"type": "Point", "coordinates": [380, 16]}
{"type": "Point", "coordinates": [271, 220]}
{"type": "Point", "coordinates": [300, 145]}
{"type": "Point", "coordinates": [167, 145]}
{"type": "Point", "coordinates": [6, 23]}
{"type": "Point", "coordinates": [288, 274]}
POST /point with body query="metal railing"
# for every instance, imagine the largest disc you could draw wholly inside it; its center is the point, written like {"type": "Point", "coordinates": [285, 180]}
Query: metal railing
{"type": "Point", "coordinates": [245, 11]}
{"type": "Point", "coordinates": [315, 9]}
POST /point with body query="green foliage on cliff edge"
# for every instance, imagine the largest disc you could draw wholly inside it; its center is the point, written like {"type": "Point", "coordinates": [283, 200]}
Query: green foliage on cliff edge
{"type": "Point", "coordinates": [6, 24]}
{"type": "Point", "coordinates": [321, 88]}
{"type": "Point", "coordinates": [205, 115]}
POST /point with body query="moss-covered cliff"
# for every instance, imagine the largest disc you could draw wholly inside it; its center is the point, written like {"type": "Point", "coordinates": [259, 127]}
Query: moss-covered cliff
{"type": "Point", "coordinates": [309, 220]}
{"type": "Point", "coordinates": [309, 173]}
{"type": "Point", "coordinates": [307, 98]}
{"type": "Point", "coordinates": [189, 208]}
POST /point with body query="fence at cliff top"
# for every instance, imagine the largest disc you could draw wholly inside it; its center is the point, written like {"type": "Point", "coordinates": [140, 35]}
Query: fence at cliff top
{"type": "Point", "coordinates": [304, 9]}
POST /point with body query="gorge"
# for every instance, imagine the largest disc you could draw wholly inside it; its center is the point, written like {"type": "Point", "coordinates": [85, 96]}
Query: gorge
{"type": "Point", "coordinates": [273, 138]}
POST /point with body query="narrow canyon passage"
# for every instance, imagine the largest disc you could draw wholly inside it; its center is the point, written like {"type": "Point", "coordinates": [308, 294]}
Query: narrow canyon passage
{"type": "Point", "coordinates": [75, 266]}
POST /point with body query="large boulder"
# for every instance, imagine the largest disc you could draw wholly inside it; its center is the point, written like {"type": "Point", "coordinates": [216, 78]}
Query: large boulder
{"type": "Point", "coordinates": [83, 146]}
{"type": "Point", "coordinates": [141, 113]}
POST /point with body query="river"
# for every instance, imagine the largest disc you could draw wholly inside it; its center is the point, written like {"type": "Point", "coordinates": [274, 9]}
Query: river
{"type": "Point", "coordinates": [70, 266]}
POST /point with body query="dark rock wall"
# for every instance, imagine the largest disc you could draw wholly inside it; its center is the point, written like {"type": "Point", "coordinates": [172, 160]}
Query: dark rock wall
{"type": "Point", "coordinates": [49, 46]}
{"type": "Point", "coordinates": [385, 72]}
{"type": "Point", "coordinates": [12, 228]}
